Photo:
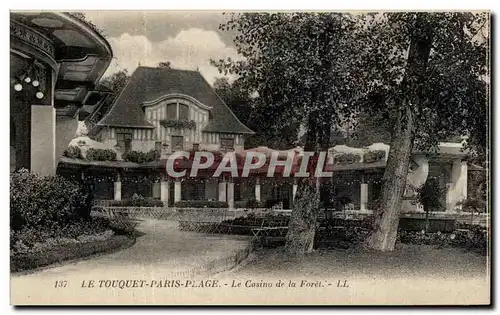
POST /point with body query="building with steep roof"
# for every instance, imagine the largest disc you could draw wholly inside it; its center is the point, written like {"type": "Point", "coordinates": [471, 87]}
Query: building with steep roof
{"type": "Point", "coordinates": [163, 110]}
{"type": "Point", "coordinates": [169, 109]}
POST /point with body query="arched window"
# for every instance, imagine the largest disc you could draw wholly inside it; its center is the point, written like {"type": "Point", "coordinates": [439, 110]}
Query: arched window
{"type": "Point", "coordinates": [183, 112]}
{"type": "Point", "coordinates": [172, 111]}
{"type": "Point", "coordinates": [177, 111]}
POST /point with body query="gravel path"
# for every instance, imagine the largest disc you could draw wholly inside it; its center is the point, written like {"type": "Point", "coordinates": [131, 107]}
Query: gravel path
{"type": "Point", "coordinates": [161, 252]}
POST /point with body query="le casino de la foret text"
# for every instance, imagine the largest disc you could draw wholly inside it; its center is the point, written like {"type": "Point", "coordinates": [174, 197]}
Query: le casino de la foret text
{"type": "Point", "coordinates": [209, 283]}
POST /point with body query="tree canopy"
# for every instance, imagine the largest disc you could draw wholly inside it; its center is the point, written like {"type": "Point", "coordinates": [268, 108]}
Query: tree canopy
{"type": "Point", "coordinates": [424, 74]}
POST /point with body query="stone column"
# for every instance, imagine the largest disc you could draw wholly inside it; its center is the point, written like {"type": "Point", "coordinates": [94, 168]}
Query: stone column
{"type": "Point", "coordinates": [230, 194]}
{"type": "Point", "coordinates": [43, 139]}
{"type": "Point", "coordinates": [177, 190]}
{"type": "Point", "coordinates": [164, 190]}
{"type": "Point", "coordinates": [222, 189]}
{"type": "Point", "coordinates": [257, 189]}
{"type": "Point", "coordinates": [457, 185]}
{"type": "Point", "coordinates": [364, 197]}
{"type": "Point", "coordinates": [295, 186]}
{"type": "Point", "coordinates": [118, 186]}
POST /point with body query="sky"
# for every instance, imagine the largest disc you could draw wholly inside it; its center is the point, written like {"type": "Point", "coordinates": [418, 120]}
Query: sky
{"type": "Point", "coordinates": [188, 39]}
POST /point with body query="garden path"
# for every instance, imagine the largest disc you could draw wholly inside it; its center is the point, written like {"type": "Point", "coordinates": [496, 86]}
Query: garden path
{"type": "Point", "coordinates": [162, 252]}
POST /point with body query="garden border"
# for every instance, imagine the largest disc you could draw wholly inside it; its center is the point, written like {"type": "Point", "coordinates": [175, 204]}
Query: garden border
{"type": "Point", "coordinates": [52, 258]}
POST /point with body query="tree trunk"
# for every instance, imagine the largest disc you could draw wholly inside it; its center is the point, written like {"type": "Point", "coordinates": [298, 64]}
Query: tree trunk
{"type": "Point", "coordinates": [302, 226]}
{"type": "Point", "coordinates": [383, 237]}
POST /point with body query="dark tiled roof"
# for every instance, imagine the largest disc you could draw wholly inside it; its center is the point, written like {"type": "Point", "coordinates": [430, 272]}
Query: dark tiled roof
{"type": "Point", "coordinates": [148, 84]}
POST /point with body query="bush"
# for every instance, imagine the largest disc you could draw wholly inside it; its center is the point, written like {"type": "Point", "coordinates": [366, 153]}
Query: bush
{"type": "Point", "coordinates": [28, 237]}
{"type": "Point", "coordinates": [373, 156]}
{"type": "Point", "coordinates": [473, 237]}
{"type": "Point", "coordinates": [249, 204]}
{"type": "Point", "coordinates": [346, 158]}
{"type": "Point", "coordinates": [100, 155]}
{"type": "Point", "coordinates": [137, 202]}
{"type": "Point", "coordinates": [73, 152]}
{"type": "Point", "coordinates": [270, 203]}
{"type": "Point", "coordinates": [141, 157]}
{"type": "Point", "coordinates": [46, 202]}
{"type": "Point", "coordinates": [201, 204]}
{"type": "Point", "coordinates": [48, 254]}
{"type": "Point", "coordinates": [178, 124]}
{"type": "Point", "coordinates": [474, 205]}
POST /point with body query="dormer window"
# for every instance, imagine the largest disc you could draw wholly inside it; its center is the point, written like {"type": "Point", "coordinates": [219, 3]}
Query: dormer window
{"type": "Point", "coordinates": [177, 111]}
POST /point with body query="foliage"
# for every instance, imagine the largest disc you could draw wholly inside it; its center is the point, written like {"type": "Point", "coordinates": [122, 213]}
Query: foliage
{"type": "Point", "coordinates": [430, 195]}
{"type": "Point", "coordinates": [73, 152]}
{"type": "Point", "coordinates": [80, 230]}
{"type": "Point", "coordinates": [249, 204]}
{"type": "Point", "coordinates": [474, 205]}
{"type": "Point", "coordinates": [164, 65]}
{"type": "Point", "coordinates": [100, 155]}
{"type": "Point", "coordinates": [346, 158]}
{"type": "Point", "coordinates": [323, 69]}
{"type": "Point", "coordinates": [141, 157]}
{"type": "Point", "coordinates": [83, 18]}
{"type": "Point", "coordinates": [47, 253]}
{"type": "Point", "coordinates": [178, 124]}
{"type": "Point", "coordinates": [473, 238]}
{"type": "Point", "coordinates": [46, 202]}
{"type": "Point", "coordinates": [115, 83]}
{"type": "Point", "coordinates": [137, 201]}
{"type": "Point", "coordinates": [374, 156]}
{"type": "Point", "coordinates": [49, 212]}
{"type": "Point", "coordinates": [201, 204]}
{"type": "Point", "coordinates": [259, 119]}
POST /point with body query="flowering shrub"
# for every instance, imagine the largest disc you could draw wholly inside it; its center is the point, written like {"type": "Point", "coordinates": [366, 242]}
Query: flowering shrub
{"type": "Point", "coordinates": [142, 202]}
{"type": "Point", "coordinates": [73, 152]}
{"type": "Point", "coordinates": [201, 204]}
{"type": "Point", "coordinates": [374, 156]}
{"type": "Point", "coordinates": [141, 157]}
{"type": "Point", "coordinates": [346, 158]}
{"type": "Point", "coordinates": [473, 237]}
{"type": "Point", "coordinates": [58, 250]}
{"type": "Point", "coordinates": [101, 155]}
{"type": "Point", "coordinates": [178, 124]}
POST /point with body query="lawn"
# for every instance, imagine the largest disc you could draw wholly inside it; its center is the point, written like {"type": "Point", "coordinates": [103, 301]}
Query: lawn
{"type": "Point", "coordinates": [405, 261]}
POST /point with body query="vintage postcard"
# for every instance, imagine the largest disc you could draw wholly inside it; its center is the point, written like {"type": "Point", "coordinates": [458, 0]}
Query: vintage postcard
{"type": "Point", "coordinates": [250, 158]}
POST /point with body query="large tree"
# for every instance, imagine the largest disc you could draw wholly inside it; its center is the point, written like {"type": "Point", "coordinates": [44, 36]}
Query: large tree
{"type": "Point", "coordinates": [258, 118]}
{"type": "Point", "coordinates": [424, 71]}
{"type": "Point", "coordinates": [296, 63]}
{"type": "Point", "coordinates": [440, 92]}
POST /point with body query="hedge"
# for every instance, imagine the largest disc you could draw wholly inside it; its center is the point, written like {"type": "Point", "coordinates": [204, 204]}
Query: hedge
{"type": "Point", "coordinates": [100, 155]}
{"type": "Point", "coordinates": [250, 204]}
{"type": "Point", "coordinates": [346, 158]}
{"type": "Point", "coordinates": [474, 237]}
{"type": "Point", "coordinates": [143, 202]}
{"type": "Point", "coordinates": [73, 152]}
{"type": "Point", "coordinates": [141, 157]}
{"type": "Point", "coordinates": [201, 204]}
{"type": "Point", "coordinates": [178, 124]}
{"type": "Point", "coordinates": [60, 253]}
{"type": "Point", "coordinates": [374, 156]}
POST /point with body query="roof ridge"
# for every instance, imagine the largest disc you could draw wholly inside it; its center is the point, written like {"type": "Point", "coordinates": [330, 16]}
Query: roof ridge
{"type": "Point", "coordinates": [167, 69]}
